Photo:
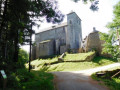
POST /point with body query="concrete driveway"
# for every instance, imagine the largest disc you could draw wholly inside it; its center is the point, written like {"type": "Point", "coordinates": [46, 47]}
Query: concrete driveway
{"type": "Point", "coordinates": [80, 80]}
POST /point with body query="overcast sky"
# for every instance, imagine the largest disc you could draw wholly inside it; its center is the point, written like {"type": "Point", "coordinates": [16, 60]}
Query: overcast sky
{"type": "Point", "coordinates": [89, 18]}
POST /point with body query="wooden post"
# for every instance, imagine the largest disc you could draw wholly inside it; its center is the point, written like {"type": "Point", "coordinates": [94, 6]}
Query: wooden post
{"type": "Point", "coordinates": [30, 49]}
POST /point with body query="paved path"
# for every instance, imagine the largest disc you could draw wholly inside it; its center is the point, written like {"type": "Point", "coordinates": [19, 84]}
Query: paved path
{"type": "Point", "coordinates": [80, 80]}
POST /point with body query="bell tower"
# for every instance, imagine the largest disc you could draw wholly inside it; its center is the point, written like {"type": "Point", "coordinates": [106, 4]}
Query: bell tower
{"type": "Point", "coordinates": [74, 35]}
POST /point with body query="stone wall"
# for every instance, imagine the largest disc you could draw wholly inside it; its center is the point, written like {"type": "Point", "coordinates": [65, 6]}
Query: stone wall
{"type": "Point", "coordinates": [54, 33]}
{"type": "Point", "coordinates": [46, 48]}
{"type": "Point", "coordinates": [68, 34]}
{"type": "Point", "coordinates": [33, 56]}
{"type": "Point", "coordinates": [74, 31]}
{"type": "Point", "coordinates": [93, 42]}
{"type": "Point", "coordinates": [63, 49]}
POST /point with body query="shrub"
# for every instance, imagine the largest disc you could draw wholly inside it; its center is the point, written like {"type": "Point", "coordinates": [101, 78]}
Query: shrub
{"type": "Point", "coordinates": [24, 80]}
{"type": "Point", "coordinates": [23, 57]}
{"type": "Point", "coordinates": [112, 83]}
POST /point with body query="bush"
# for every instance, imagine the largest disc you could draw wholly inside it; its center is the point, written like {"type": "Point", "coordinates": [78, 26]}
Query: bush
{"type": "Point", "coordinates": [23, 57]}
{"type": "Point", "coordinates": [112, 83]}
{"type": "Point", "coordinates": [24, 80]}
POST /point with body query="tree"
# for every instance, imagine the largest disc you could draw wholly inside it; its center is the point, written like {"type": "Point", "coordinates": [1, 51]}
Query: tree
{"type": "Point", "coordinates": [94, 4]}
{"type": "Point", "coordinates": [113, 35]}
{"type": "Point", "coordinates": [16, 17]}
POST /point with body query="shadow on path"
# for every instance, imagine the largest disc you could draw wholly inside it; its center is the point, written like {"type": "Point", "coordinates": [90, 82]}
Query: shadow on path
{"type": "Point", "coordinates": [79, 80]}
{"type": "Point", "coordinates": [75, 81]}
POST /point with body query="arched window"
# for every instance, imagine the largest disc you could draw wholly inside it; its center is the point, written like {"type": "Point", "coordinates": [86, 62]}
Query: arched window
{"type": "Point", "coordinates": [70, 22]}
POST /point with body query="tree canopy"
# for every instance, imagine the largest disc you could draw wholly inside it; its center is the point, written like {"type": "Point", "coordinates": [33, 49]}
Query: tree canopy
{"type": "Point", "coordinates": [113, 36]}
{"type": "Point", "coordinates": [116, 20]}
{"type": "Point", "coordinates": [16, 17]}
{"type": "Point", "coordinates": [94, 4]}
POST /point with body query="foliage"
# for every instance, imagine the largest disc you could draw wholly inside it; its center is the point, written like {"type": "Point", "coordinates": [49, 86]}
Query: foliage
{"type": "Point", "coordinates": [94, 4]}
{"type": "Point", "coordinates": [113, 34]}
{"type": "Point", "coordinates": [23, 58]}
{"type": "Point", "coordinates": [77, 57]}
{"type": "Point", "coordinates": [24, 80]}
{"type": "Point", "coordinates": [23, 55]}
{"type": "Point", "coordinates": [115, 23]}
{"type": "Point", "coordinates": [108, 46]}
{"type": "Point", "coordinates": [113, 84]}
{"type": "Point", "coordinates": [39, 63]}
{"type": "Point", "coordinates": [15, 24]}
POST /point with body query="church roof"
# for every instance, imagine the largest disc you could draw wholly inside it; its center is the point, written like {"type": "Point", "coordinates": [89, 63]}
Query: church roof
{"type": "Point", "coordinates": [53, 27]}
{"type": "Point", "coordinates": [45, 41]}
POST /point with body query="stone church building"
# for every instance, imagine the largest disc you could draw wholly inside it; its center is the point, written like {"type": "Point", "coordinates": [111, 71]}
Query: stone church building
{"type": "Point", "coordinates": [60, 38]}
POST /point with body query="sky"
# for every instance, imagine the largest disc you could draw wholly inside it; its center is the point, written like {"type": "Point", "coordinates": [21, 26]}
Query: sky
{"type": "Point", "coordinates": [90, 19]}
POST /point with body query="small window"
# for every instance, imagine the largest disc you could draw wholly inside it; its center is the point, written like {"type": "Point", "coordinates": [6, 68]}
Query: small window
{"type": "Point", "coordinates": [70, 22]}
{"type": "Point", "coordinates": [63, 28]}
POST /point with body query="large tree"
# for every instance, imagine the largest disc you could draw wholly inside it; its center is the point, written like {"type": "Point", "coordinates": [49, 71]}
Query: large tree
{"type": "Point", "coordinates": [16, 17]}
{"type": "Point", "coordinates": [112, 38]}
{"type": "Point", "coordinates": [94, 4]}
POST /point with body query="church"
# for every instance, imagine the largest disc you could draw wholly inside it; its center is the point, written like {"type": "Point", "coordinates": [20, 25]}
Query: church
{"type": "Point", "coordinates": [59, 39]}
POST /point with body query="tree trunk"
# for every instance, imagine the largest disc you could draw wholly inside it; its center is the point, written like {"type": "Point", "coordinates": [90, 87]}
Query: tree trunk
{"type": "Point", "coordinates": [16, 47]}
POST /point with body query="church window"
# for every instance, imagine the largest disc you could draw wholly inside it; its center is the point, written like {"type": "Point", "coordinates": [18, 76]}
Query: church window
{"type": "Point", "coordinates": [63, 28]}
{"type": "Point", "coordinates": [70, 22]}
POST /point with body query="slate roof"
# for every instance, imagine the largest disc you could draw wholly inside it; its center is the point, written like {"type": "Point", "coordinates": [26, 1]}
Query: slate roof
{"type": "Point", "coordinates": [53, 27]}
{"type": "Point", "coordinates": [45, 41]}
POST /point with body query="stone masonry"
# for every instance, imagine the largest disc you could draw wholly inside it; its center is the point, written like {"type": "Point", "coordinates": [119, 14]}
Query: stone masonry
{"type": "Point", "coordinates": [58, 39]}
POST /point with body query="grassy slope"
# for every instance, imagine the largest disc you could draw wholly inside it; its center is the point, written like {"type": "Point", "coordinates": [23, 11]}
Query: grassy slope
{"type": "Point", "coordinates": [34, 80]}
{"type": "Point", "coordinates": [76, 66]}
{"type": "Point", "coordinates": [39, 81]}
{"type": "Point", "coordinates": [73, 66]}
{"type": "Point", "coordinates": [39, 62]}
{"type": "Point", "coordinates": [78, 56]}
{"type": "Point", "coordinates": [113, 84]}
{"type": "Point", "coordinates": [44, 81]}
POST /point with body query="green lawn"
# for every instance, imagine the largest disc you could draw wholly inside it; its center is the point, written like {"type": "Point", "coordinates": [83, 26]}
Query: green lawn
{"type": "Point", "coordinates": [72, 66]}
{"type": "Point", "coordinates": [77, 57]}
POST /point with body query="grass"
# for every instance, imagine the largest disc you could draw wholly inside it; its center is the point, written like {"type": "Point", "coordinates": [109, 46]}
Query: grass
{"type": "Point", "coordinates": [40, 62]}
{"type": "Point", "coordinates": [77, 57]}
{"type": "Point", "coordinates": [44, 81]}
{"type": "Point", "coordinates": [40, 81]}
{"type": "Point", "coordinates": [112, 83]}
{"type": "Point", "coordinates": [73, 66]}
{"type": "Point", "coordinates": [34, 80]}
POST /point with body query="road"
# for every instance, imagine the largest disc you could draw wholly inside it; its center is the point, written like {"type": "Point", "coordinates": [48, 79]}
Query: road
{"type": "Point", "coordinates": [80, 80]}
